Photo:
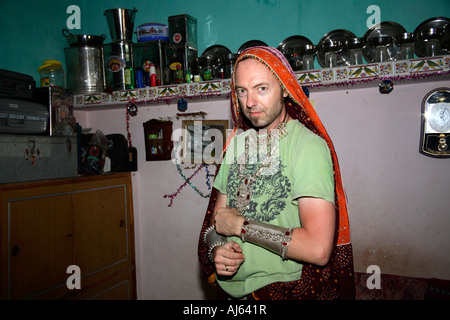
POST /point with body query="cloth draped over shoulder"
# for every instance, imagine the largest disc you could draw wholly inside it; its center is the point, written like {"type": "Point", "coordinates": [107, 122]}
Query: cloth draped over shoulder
{"type": "Point", "coordinates": [336, 279]}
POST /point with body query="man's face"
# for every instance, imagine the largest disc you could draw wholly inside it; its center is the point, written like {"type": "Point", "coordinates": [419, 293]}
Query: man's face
{"type": "Point", "coordinates": [260, 95]}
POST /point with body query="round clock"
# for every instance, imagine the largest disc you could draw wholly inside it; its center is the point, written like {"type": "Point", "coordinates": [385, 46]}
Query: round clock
{"type": "Point", "coordinates": [439, 117]}
{"type": "Point", "coordinates": [435, 132]}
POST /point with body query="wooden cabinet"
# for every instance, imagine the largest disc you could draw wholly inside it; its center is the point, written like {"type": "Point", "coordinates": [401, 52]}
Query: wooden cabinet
{"type": "Point", "coordinates": [158, 140]}
{"type": "Point", "coordinates": [47, 226]}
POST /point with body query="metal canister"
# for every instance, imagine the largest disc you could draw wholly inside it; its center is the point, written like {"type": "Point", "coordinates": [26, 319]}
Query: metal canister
{"type": "Point", "coordinates": [85, 69]}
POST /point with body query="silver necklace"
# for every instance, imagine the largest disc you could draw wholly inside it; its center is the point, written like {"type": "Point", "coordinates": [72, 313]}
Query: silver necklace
{"type": "Point", "coordinates": [244, 189]}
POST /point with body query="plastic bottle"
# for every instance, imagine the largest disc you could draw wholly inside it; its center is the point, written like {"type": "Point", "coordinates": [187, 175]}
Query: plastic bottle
{"type": "Point", "coordinates": [179, 74]}
{"type": "Point", "coordinates": [52, 74]}
{"type": "Point", "coordinates": [152, 75]}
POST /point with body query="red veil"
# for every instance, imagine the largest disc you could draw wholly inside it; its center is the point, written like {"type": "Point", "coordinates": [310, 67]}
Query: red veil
{"type": "Point", "coordinates": [336, 279]}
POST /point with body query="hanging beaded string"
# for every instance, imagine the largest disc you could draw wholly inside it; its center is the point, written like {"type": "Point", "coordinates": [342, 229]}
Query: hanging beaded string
{"type": "Point", "coordinates": [130, 110]}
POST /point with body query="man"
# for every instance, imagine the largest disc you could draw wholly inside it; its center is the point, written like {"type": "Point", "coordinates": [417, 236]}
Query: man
{"type": "Point", "coordinates": [273, 211]}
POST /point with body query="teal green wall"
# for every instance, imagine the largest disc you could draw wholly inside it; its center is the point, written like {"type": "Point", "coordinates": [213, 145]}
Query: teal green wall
{"type": "Point", "coordinates": [30, 30]}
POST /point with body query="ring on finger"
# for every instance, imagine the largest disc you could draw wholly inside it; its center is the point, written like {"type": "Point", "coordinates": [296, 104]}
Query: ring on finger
{"type": "Point", "coordinates": [226, 268]}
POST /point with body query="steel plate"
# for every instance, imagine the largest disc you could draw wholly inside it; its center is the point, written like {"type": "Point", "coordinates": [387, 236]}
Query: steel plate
{"type": "Point", "coordinates": [438, 22]}
{"type": "Point", "coordinates": [251, 43]}
{"type": "Point", "coordinates": [335, 36]}
{"type": "Point", "coordinates": [216, 51]}
{"type": "Point", "coordinates": [384, 29]}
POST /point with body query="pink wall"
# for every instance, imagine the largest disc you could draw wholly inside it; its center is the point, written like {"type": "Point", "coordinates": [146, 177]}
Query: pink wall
{"type": "Point", "coordinates": [398, 199]}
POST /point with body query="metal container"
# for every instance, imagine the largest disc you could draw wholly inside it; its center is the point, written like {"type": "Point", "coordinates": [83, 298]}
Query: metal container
{"type": "Point", "coordinates": [22, 117]}
{"type": "Point", "coordinates": [183, 56]}
{"type": "Point", "coordinates": [121, 23]}
{"type": "Point", "coordinates": [118, 56]}
{"type": "Point", "coordinates": [31, 158]}
{"type": "Point", "coordinates": [82, 39]}
{"type": "Point", "coordinates": [85, 73]}
{"type": "Point", "coordinates": [152, 31]}
{"type": "Point", "coordinates": [183, 30]}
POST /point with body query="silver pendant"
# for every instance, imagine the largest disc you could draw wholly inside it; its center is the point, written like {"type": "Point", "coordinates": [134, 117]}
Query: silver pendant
{"type": "Point", "coordinates": [244, 194]}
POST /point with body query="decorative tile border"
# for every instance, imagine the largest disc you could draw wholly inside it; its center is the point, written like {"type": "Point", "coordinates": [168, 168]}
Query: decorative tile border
{"type": "Point", "coordinates": [309, 77]}
{"type": "Point", "coordinates": [363, 72]}
{"type": "Point", "coordinates": [167, 91]}
{"type": "Point", "coordinates": [312, 78]}
{"type": "Point", "coordinates": [426, 65]}
{"type": "Point", "coordinates": [210, 87]}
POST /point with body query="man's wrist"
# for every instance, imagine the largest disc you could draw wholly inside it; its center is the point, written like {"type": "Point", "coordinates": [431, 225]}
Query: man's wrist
{"type": "Point", "coordinates": [212, 240]}
{"type": "Point", "coordinates": [240, 221]}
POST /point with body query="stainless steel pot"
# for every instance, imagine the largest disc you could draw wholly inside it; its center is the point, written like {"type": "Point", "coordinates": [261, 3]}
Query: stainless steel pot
{"type": "Point", "coordinates": [75, 40]}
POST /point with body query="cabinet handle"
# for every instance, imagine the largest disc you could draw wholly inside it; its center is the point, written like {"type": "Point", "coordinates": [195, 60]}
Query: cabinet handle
{"type": "Point", "coordinates": [122, 223]}
{"type": "Point", "coordinates": [15, 251]}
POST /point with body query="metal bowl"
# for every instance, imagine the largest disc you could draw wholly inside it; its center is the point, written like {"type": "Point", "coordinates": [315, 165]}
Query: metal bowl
{"type": "Point", "coordinates": [406, 37]}
{"type": "Point", "coordinates": [356, 43]}
{"type": "Point", "coordinates": [379, 41]}
{"type": "Point", "coordinates": [308, 49]}
{"type": "Point", "coordinates": [332, 46]}
{"type": "Point", "coordinates": [431, 34]}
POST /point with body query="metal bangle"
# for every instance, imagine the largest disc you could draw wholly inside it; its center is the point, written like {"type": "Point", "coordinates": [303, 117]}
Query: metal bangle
{"type": "Point", "coordinates": [212, 239]}
{"type": "Point", "coordinates": [273, 238]}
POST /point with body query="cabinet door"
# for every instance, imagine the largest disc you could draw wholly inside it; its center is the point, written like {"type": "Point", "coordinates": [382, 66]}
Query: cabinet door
{"type": "Point", "coordinates": [40, 244]}
{"type": "Point", "coordinates": [100, 228]}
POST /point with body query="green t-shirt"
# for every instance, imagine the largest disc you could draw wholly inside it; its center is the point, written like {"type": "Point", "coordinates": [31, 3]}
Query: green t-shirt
{"type": "Point", "coordinates": [301, 166]}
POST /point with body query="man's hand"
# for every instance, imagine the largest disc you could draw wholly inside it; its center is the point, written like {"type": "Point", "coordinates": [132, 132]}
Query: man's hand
{"type": "Point", "coordinates": [228, 258]}
{"type": "Point", "coordinates": [228, 221]}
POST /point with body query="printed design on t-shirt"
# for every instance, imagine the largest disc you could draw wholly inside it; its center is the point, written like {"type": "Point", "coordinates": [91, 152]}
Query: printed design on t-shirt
{"type": "Point", "coordinates": [269, 192]}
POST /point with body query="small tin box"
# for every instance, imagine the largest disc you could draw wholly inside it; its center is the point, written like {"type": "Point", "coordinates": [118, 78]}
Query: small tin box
{"type": "Point", "coordinates": [183, 30]}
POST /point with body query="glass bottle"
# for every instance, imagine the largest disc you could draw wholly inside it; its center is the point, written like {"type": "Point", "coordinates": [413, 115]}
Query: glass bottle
{"type": "Point", "coordinates": [407, 51]}
{"type": "Point", "coordinates": [330, 59]}
{"type": "Point", "coordinates": [381, 54]}
{"type": "Point", "coordinates": [432, 48]}
{"type": "Point", "coordinates": [356, 56]}
{"type": "Point", "coordinates": [308, 62]}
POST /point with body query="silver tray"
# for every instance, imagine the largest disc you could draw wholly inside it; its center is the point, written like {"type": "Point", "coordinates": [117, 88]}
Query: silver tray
{"type": "Point", "coordinates": [383, 29]}
{"type": "Point", "coordinates": [438, 22]}
{"type": "Point", "coordinates": [335, 36]}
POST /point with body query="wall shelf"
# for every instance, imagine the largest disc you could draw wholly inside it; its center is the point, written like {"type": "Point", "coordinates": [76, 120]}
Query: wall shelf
{"type": "Point", "coordinates": [334, 78]}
